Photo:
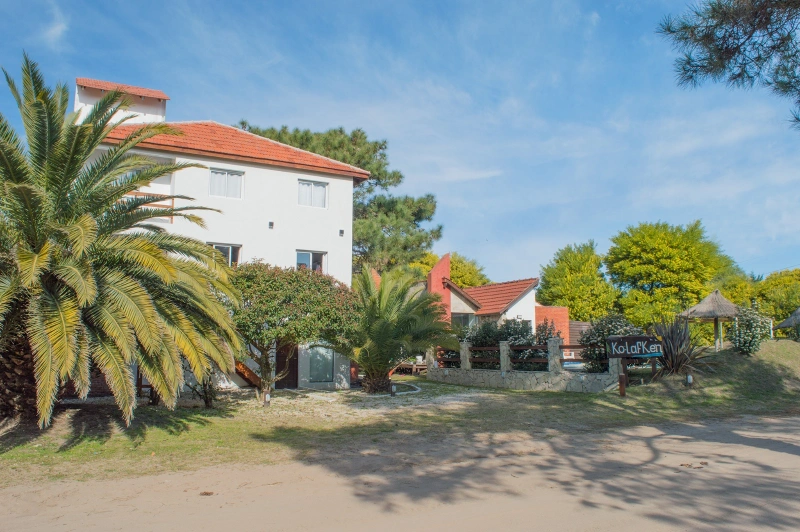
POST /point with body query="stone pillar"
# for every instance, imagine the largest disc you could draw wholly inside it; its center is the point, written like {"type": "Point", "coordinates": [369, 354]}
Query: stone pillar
{"type": "Point", "coordinates": [615, 366]}
{"type": "Point", "coordinates": [554, 355]}
{"type": "Point", "coordinates": [505, 357]}
{"type": "Point", "coordinates": [430, 358]}
{"type": "Point", "coordinates": [465, 354]}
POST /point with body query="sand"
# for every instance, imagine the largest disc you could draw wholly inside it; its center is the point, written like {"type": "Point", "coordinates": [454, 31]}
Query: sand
{"type": "Point", "coordinates": [731, 475]}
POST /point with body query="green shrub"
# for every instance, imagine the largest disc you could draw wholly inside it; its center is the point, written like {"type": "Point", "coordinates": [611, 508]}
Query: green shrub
{"type": "Point", "coordinates": [749, 330]}
{"type": "Point", "coordinates": [515, 332]}
{"type": "Point", "coordinates": [546, 330]}
{"type": "Point", "coordinates": [681, 352]}
{"type": "Point", "coordinates": [595, 338]}
{"type": "Point", "coordinates": [488, 334]}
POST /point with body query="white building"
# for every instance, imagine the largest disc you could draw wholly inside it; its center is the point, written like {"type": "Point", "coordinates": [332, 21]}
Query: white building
{"type": "Point", "coordinates": [286, 206]}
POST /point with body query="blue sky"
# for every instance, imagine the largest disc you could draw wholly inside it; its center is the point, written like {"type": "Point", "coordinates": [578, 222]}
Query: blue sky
{"type": "Point", "coordinates": [535, 124]}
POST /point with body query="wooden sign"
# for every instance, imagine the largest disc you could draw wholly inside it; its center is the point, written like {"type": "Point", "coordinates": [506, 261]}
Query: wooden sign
{"type": "Point", "coordinates": [633, 347]}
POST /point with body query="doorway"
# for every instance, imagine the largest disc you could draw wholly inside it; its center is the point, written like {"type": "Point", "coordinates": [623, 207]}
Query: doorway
{"type": "Point", "coordinates": [290, 381]}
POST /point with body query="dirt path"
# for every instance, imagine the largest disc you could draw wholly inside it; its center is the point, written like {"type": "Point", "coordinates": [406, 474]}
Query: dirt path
{"type": "Point", "coordinates": [737, 475]}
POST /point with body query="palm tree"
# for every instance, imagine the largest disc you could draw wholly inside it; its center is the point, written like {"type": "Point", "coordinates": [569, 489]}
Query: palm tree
{"type": "Point", "coordinates": [86, 280]}
{"type": "Point", "coordinates": [398, 320]}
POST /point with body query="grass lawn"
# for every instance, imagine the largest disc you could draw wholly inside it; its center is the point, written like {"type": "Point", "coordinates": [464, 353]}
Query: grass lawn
{"type": "Point", "coordinates": [88, 440]}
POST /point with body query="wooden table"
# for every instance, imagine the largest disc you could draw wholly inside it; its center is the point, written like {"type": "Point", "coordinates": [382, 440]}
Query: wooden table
{"type": "Point", "coordinates": [413, 366]}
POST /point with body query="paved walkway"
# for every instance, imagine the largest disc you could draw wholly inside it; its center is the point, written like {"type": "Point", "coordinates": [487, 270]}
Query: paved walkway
{"type": "Point", "coordinates": [735, 475]}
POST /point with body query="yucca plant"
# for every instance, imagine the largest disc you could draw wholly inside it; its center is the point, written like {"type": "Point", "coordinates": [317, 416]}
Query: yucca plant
{"type": "Point", "coordinates": [397, 320]}
{"type": "Point", "coordinates": [85, 278]}
{"type": "Point", "coordinates": [681, 352]}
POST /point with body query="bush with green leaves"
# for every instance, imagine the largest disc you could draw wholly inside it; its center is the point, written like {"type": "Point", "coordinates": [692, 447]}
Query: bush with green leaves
{"type": "Point", "coordinates": [595, 338]}
{"type": "Point", "coordinates": [681, 350]}
{"type": "Point", "coordinates": [285, 308]}
{"type": "Point", "coordinates": [546, 330]}
{"type": "Point", "coordinates": [516, 333]}
{"type": "Point", "coordinates": [749, 330]}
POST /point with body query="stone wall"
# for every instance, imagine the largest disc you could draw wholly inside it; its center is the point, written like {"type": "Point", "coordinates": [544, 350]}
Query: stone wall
{"type": "Point", "coordinates": [556, 379]}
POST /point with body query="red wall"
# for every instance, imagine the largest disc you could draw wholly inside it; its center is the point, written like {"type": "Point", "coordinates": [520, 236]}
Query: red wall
{"type": "Point", "coordinates": [559, 315]}
{"type": "Point", "coordinates": [435, 285]}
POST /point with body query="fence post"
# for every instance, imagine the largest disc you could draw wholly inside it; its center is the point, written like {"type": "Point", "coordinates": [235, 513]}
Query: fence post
{"type": "Point", "coordinates": [505, 357]}
{"type": "Point", "coordinates": [465, 353]}
{"type": "Point", "coordinates": [554, 355]}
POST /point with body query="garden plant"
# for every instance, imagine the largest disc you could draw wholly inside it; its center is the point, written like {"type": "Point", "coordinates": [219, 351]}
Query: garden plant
{"type": "Point", "coordinates": [749, 330]}
{"type": "Point", "coordinates": [682, 354]}
{"type": "Point", "coordinates": [86, 278]}
{"type": "Point", "coordinates": [595, 338]}
{"type": "Point", "coordinates": [396, 320]}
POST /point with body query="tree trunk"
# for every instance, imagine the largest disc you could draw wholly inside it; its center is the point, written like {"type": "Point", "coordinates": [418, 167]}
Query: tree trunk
{"type": "Point", "coordinates": [264, 395]}
{"type": "Point", "coordinates": [17, 383]}
{"type": "Point", "coordinates": [376, 383]}
{"type": "Point", "coordinates": [155, 399]}
{"type": "Point", "coordinates": [208, 392]}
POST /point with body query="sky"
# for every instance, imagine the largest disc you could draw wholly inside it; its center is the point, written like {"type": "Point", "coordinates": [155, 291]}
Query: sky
{"type": "Point", "coordinates": [535, 124]}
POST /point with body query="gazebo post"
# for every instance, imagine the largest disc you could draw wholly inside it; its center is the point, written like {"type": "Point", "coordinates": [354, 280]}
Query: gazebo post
{"type": "Point", "coordinates": [714, 307]}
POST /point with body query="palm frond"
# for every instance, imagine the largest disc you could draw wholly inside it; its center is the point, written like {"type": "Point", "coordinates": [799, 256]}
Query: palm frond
{"type": "Point", "coordinates": [84, 277]}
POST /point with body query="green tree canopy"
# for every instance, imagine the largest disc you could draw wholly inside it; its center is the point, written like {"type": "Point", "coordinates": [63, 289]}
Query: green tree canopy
{"type": "Point", "coordinates": [463, 271]}
{"type": "Point", "coordinates": [574, 278]}
{"type": "Point", "coordinates": [779, 294]}
{"type": "Point", "coordinates": [737, 286]}
{"type": "Point", "coordinates": [388, 230]}
{"type": "Point", "coordinates": [742, 43]}
{"type": "Point", "coordinates": [395, 322]}
{"type": "Point", "coordinates": [86, 279]}
{"type": "Point", "coordinates": [662, 268]}
{"type": "Point", "coordinates": [287, 307]}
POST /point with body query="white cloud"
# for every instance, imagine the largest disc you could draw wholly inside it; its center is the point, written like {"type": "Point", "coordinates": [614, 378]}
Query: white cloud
{"type": "Point", "coordinates": [53, 33]}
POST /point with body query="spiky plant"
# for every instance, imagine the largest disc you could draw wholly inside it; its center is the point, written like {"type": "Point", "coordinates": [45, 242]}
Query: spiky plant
{"type": "Point", "coordinates": [85, 278]}
{"type": "Point", "coordinates": [397, 321]}
{"type": "Point", "coordinates": [681, 352]}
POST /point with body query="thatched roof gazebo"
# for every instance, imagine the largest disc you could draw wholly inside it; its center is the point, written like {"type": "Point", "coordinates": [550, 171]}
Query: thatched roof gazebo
{"type": "Point", "coordinates": [713, 308]}
{"type": "Point", "coordinates": [791, 322]}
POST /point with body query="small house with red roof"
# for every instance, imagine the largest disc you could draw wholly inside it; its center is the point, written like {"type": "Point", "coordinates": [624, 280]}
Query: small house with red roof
{"type": "Point", "coordinates": [510, 300]}
{"type": "Point", "coordinates": [286, 206]}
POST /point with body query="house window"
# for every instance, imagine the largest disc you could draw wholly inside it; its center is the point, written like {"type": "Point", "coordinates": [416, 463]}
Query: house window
{"type": "Point", "coordinates": [230, 252]}
{"type": "Point", "coordinates": [321, 360]}
{"type": "Point", "coordinates": [311, 260]}
{"type": "Point", "coordinates": [226, 184]}
{"type": "Point", "coordinates": [463, 320]}
{"type": "Point", "coordinates": [312, 194]}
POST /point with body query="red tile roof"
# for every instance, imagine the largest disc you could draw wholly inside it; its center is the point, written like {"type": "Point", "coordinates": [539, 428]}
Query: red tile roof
{"type": "Point", "coordinates": [127, 89]}
{"type": "Point", "coordinates": [212, 139]}
{"type": "Point", "coordinates": [497, 297]}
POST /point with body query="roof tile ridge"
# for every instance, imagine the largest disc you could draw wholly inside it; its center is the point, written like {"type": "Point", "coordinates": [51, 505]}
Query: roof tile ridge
{"type": "Point", "coordinates": [530, 279]}
{"type": "Point", "coordinates": [291, 147]}
{"type": "Point", "coordinates": [118, 84]}
{"type": "Point", "coordinates": [166, 122]}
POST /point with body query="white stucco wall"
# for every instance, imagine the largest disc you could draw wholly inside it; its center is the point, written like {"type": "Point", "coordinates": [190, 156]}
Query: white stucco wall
{"type": "Point", "coordinates": [270, 194]}
{"type": "Point", "coordinates": [458, 305]}
{"type": "Point", "coordinates": [143, 110]}
{"type": "Point", "coordinates": [524, 308]}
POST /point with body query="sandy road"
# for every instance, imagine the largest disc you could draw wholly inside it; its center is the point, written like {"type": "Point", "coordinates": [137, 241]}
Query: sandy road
{"type": "Point", "coordinates": [733, 475]}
